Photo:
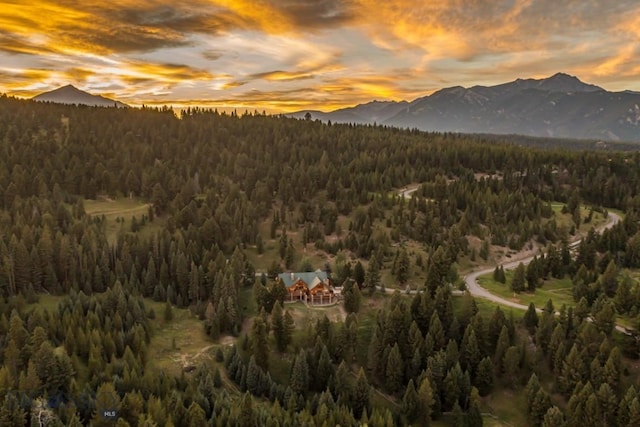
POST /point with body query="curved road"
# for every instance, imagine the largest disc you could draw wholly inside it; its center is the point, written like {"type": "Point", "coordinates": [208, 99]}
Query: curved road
{"type": "Point", "coordinates": [471, 280]}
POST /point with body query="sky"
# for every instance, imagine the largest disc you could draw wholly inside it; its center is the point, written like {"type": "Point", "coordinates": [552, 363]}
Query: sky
{"type": "Point", "coordinates": [289, 55]}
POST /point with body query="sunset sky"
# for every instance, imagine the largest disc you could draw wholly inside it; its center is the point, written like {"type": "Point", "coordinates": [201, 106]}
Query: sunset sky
{"type": "Point", "coordinates": [287, 55]}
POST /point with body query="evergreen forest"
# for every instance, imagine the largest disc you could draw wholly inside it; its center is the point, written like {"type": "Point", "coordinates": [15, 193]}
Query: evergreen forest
{"type": "Point", "coordinates": [119, 227]}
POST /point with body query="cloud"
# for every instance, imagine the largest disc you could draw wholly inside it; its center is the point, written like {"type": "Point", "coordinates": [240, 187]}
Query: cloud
{"type": "Point", "coordinates": [212, 55]}
{"type": "Point", "coordinates": [279, 75]}
{"type": "Point", "coordinates": [311, 53]}
{"type": "Point", "coordinates": [233, 84]}
{"type": "Point", "coordinates": [173, 73]}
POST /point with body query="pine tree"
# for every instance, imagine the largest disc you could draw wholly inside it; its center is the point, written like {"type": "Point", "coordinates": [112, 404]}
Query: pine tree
{"type": "Point", "coordinates": [352, 297]}
{"type": "Point", "coordinates": [592, 415]}
{"type": "Point", "coordinates": [474, 416]}
{"type": "Point", "coordinates": [457, 416]}
{"type": "Point", "coordinates": [394, 370]}
{"type": "Point", "coordinates": [608, 404]}
{"type": "Point", "coordinates": [359, 274]}
{"type": "Point", "coordinates": [361, 395]}
{"type": "Point", "coordinates": [605, 318]}
{"type": "Point", "coordinates": [107, 399]}
{"type": "Point", "coordinates": [531, 319]}
{"type": "Point", "coordinates": [484, 250]}
{"type": "Point", "coordinates": [496, 273]}
{"type": "Point", "coordinates": [168, 312]}
{"type": "Point", "coordinates": [247, 412]}
{"type": "Point", "coordinates": [425, 402]}
{"type": "Point", "coordinates": [609, 279]}
{"type": "Point", "coordinates": [572, 371]}
{"type": "Point", "coordinates": [372, 278]}
{"type": "Point", "coordinates": [277, 326]}
{"type": "Point", "coordinates": [553, 418]}
{"type": "Point", "coordinates": [375, 352]}
{"type": "Point", "coordinates": [324, 370]}
{"type": "Point", "coordinates": [11, 412]}
{"type": "Point", "coordinates": [299, 380]}
{"type": "Point", "coordinates": [259, 344]}
{"type": "Point", "coordinates": [511, 364]}
{"type": "Point", "coordinates": [439, 266]}
{"type": "Point", "coordinates": [624, 408]}
{"type": "Point", "coordinates": [484, 376]}
{"type": "Point", "coordinates": [410, 402]}
{"type": "Point", "coordinates": [530, 391]}
{"type": "Point", "coordinates": [501, 348]}
{"type": "Point", "coordinates": [502, 277]}
{"type": "Point", "coordinates": [623, 300]}
{"type": "Point", "coordinates": [469, 352]}
{"type": "Point", "coordinates": [436, 332]}
{"type": "Point", "coordinates": [402, 267]}
{"type": "Point", "coordinates": [453, 387]}
{"type": "Point", "coordinates": [539, 407]}
{"type": "Point", "coordinates": [282, 244]}
{"type": "Point", "coordinates": [290, 254]}
{"type": "Point", "coordinates": [518, 281]}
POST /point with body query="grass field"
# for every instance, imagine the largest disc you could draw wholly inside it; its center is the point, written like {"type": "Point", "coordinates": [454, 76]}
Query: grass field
{"type": "Point", "coordinates": [558, 290]}
{"type": "Point", "coordinates": [47, 302]}
{"type": "Point", "coordinates": [119, 213]}
{"type": "Point", "coordinates": [507, 408]}
{"type": "Point", "coordinates": [174, 344]}
{"type": "Point", "coordinates": [566, 220]}
{"type": "Point", "coordinates": [177, 343]}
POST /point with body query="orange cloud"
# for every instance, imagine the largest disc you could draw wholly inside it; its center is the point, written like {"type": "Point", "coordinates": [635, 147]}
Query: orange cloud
{"type": "Point", "coordinates": [291, 54]}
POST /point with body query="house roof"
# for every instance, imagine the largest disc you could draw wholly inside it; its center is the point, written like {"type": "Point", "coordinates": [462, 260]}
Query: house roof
{"type": "Point", "coordinates": [311, 279]}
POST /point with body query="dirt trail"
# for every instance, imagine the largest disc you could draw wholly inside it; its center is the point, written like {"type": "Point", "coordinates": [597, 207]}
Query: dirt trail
{"type": "Point", "coordinates": [524, 256]}
{"type": "Point", "coordinates": [471, 279]}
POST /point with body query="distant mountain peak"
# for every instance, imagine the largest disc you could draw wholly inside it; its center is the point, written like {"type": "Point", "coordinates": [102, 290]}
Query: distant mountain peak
{"type": "Point", "coordinates": [69, 94]}
{"type": "Point", "coordinates": [562, 82]}
{"type": "Point", "coordinates": [558, 106]}
{"type": "Point", "coordinates": [561, 75]}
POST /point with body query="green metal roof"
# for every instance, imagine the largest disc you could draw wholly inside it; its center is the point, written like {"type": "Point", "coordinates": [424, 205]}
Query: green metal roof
{"type": "Point", "coordinates": [308, 278]}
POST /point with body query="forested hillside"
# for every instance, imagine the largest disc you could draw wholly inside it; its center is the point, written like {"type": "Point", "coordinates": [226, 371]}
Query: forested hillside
{"type": "Point", "coordinates": [219, 199]}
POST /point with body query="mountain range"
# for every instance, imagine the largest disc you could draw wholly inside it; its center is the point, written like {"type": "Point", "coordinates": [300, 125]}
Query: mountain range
{"type": "Point", "coordinates": [70, 94]}
{"type": "Point", "coordinates": [560, 106]}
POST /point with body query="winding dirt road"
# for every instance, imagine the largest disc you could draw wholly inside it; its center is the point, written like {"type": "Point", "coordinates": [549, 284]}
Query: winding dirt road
{"type": "Point", "coordinates": [471, 280]}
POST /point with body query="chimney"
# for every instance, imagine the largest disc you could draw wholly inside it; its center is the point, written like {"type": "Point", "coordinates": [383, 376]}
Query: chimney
{"type": "Point", "coordinates": [292, 276]}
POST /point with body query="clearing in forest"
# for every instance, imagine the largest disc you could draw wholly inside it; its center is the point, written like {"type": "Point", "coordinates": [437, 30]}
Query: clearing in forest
{"type": "Point", "coordinates": [119, 214]}
{"type": "Point", "coordinates": [180, 343]}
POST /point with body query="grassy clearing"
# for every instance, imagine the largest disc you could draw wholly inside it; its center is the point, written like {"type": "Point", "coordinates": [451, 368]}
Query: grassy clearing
{"type": "Point", "coordinates": [46, 302]}
{"type": "Point", "coordinates": [558, 290]}
{"type": "Point", "coordinates": [177, 343]}
{"type": "Point", "coordinates": [119, 213]}
{"type": "Point", "coordinates": [566, 220]}
{"type": "Point", "coordinates": [262, 262]}
{"type": "Point", "coordinates": [174, 344]}
{"type": "Point", "coordinates": [305, 316]}
{"type": "Point", "coordinates": [507, 408]}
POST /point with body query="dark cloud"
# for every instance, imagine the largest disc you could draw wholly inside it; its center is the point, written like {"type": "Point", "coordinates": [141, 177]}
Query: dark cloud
{"type": "Point", "coordinates": [151, 25]}
{"type": "Point", "coordinates": [315, 14]}
{"type": "Point", "coordinates": [16, 44]}
{"type": "Point", "coordinates": [212, 55]}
